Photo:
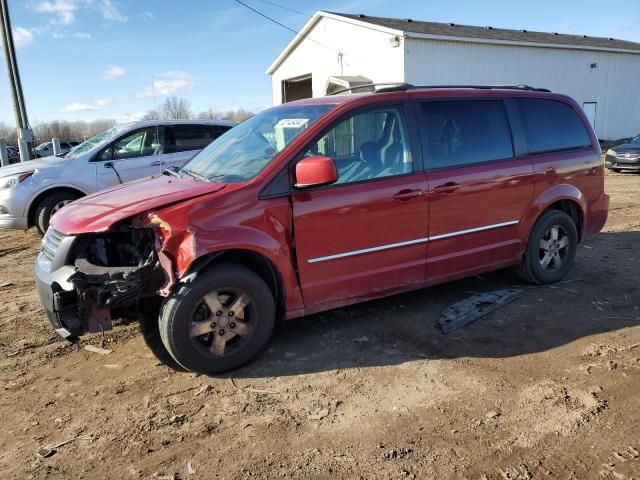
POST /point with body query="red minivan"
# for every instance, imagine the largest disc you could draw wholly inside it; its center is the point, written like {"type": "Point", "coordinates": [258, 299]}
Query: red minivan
{"type": "Point", "coordinates": [325, 202]}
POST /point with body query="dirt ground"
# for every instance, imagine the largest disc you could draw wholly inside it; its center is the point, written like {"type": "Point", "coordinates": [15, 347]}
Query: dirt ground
{"type": "Point", "coordinates": [547, 387]}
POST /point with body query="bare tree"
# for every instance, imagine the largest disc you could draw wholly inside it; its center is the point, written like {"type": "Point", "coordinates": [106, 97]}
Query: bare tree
{"type": "Point", "coordinates": [210, 114]}
{"type": "Point", "coordinates": [152, 114]}
{"type": "Point", "coordinates": [237, 115]}
{"type": "Point", "coordinates": [98, 126]}
{"type": "Point", "coordinates": [173, 108]}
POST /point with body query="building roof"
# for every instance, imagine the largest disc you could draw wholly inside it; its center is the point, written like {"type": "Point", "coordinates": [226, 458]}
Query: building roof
{"type": "Point", "coordinates": [491, 33]}
{"type": "Point", "coordinates": [455, 32]}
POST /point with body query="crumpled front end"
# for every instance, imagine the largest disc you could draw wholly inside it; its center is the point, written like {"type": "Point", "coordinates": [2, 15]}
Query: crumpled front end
{"type": "Point", "coordinates": [86, 280]}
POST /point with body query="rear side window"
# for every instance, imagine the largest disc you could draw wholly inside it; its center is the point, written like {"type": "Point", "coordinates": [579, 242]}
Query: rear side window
{"type": "Point", "coordinates": [464, 132]}
{"type": "Point", "coordinates": [551, 126]}
{"type": "Point", "coordinates": [191, 137]}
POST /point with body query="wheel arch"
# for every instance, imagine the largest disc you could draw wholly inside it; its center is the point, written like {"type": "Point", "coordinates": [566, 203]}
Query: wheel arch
{"type": "Point", "coordinates": [40, 196]}
{"type": "Point", "coordinates": [251, 259]}
{"type": "Point", "coordinates": [566, 198]}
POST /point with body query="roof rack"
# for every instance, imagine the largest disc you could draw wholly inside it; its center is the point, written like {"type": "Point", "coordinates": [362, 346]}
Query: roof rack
{"type": "Point", "coordinates": [408, 86]}
{"type": "Point", "coordinates": [400, 87]}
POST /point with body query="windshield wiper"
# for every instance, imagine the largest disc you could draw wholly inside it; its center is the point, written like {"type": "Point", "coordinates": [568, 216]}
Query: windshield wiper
{"type": "Point", "coordinates": [193, 174]}
{"type": "Point", "coordinates": [171, 171]}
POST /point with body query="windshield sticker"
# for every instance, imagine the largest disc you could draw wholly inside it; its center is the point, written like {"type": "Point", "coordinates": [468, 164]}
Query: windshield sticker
{"type": "Point", "coordinates": [292, 122]}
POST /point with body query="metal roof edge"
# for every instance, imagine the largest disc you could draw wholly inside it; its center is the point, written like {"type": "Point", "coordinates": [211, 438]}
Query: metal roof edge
{"type": "Point", "coordinates": [425, 36]}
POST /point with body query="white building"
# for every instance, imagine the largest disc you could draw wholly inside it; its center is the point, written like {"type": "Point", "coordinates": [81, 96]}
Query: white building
{"type": "Point", "coordinates": [336, 50]}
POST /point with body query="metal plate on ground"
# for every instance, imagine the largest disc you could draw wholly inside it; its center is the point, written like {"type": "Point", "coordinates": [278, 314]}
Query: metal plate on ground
{"type": "Point", "coordinates": [466, 311]}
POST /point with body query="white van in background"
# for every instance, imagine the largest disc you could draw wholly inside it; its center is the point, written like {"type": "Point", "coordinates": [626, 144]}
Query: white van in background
{"type": "Point", "coordinates": [31, 192]}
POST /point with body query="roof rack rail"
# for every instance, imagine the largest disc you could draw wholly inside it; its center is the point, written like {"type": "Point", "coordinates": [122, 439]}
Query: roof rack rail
{"type": "Point", "coordinates": [482, 87]}
{"type": "Point", "coordinates": [391, 85]}
{"type": "Point", "coordinates": [400, 87]}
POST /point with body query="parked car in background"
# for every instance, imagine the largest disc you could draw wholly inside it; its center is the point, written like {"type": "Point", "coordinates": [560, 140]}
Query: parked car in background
{"type": "Point", "coordinates": [324, 202]}
{"type": "Point", "coordinates": [13, 154]}
{"type": "Point", "coordinates": [32, 192]}
{"type": "Point", "coordinates": [46, 149]}
{"type": "Point", "coordinates": [624, 157]}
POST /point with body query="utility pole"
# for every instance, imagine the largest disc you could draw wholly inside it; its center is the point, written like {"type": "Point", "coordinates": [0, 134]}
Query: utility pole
{"type": "Point", "coordinates": [25, 136]}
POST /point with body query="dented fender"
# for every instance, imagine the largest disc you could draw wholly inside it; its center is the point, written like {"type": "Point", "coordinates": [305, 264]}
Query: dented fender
{"type": "Point", "coordinates": [196, 229]}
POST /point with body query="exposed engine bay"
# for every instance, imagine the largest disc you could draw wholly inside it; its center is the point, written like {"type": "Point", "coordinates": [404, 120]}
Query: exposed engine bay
{"type": "Point", "coordinates": [112, 272]}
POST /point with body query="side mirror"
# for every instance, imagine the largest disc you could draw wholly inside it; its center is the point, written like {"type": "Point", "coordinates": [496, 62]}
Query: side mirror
{"type": "Point", "coordinates": [314, 171]}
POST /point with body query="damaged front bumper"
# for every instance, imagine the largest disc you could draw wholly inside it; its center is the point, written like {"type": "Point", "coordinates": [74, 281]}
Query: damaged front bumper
{"type": "Point", "coordinates": [82, 281]}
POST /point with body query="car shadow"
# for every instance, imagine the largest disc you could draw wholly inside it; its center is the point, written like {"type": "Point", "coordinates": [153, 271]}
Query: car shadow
{"type": "Point", "coordinates": [601, 294]}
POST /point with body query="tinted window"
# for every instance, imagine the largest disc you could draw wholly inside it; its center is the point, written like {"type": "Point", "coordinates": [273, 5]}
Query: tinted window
{"type": "Point", "coordinates": [551, 125]}
{"type": "Point", "coordinates": [463, 132]}
{"type": "Point", "coordinates": [192, 137]}
{"type": "Point", "coordinates": [367, 145]}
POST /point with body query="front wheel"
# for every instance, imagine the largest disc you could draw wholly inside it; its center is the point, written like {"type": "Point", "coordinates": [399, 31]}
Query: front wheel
{"type": "Point", "coordinates": [49, 206]}
{"type": "Point", "coordinates": [551, 249]}
{"type": "Point", "coordinates": [218, 322]}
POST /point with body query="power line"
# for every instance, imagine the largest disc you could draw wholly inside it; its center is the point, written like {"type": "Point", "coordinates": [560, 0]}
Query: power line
{"type": "Point", "coordinates": [284, 26]}
{"type": "Point", "coordinates": [286, 8]}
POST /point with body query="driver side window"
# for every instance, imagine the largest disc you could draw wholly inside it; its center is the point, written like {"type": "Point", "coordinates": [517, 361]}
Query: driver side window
{"type": "Point", "coordinates": [367, 145]}
{"type": "Point", "coordinates": [141, 143]}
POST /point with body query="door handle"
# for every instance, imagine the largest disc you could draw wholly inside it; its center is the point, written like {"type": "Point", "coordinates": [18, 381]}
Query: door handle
{"type": "Point", "coordinates": [407, 194]}
{"type": "Point", "coordinates": [157, 163]}
{"type": "Point", "coordinates": [448, 187]}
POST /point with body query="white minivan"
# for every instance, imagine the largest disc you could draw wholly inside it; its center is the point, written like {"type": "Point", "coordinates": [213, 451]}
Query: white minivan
{"type": "Point", "coordinates": [31, 192]}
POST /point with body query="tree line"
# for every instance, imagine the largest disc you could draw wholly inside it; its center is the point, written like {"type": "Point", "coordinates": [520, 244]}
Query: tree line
{"type": "Point", "coordinates": [172, 108]}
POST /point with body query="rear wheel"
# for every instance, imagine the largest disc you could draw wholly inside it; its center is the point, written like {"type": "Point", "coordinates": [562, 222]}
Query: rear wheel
{"type": "Point", "coordinates": [219, 321]}
{"type": "Point", "coordinates": [551, 249]}
{"type": "Point", "coordinates": [49, 206]}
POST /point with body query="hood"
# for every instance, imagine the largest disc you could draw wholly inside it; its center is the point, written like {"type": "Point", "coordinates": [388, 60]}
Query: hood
{"type": "Point", "coordinates": [101, 210]}
{"type": "Point", "coordinates": [627, 147]}
{"type": "Point", "coordinates": [37, 164]}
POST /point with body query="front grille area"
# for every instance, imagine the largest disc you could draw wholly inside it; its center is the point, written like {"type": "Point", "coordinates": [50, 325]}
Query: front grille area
{"type": "Point", "coordinates": [622, 157]}
{"type": "Point", "coordinates": [50, 245]}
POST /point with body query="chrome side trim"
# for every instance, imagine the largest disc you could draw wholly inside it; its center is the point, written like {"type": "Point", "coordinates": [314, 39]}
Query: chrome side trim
{"type": "Point", "coordinates": [472, 230]}
{"type": "Point", "coordinates": [368, 250]}
{"type": "Point", "coordinates": [411, 242]}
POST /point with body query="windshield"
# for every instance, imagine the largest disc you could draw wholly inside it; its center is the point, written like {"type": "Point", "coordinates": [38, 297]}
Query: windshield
{"type": "Point", "coordinates": [636, 139]}
{"type": "Point", "coordinates": [242, 152]}
{"type": "Point", "coordinates": [93, 141]}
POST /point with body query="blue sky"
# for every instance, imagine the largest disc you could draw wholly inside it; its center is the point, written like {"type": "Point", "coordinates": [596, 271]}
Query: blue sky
{"type": "Point", "coordinates": [87, 59]}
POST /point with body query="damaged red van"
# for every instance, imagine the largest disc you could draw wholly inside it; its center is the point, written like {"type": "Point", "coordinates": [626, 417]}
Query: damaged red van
{"type": "Point", "coordinates": [324, 202]}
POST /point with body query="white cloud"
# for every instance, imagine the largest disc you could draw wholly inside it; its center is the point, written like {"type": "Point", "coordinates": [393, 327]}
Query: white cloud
{"type": "Point", "coordinates": [79, 107]}
{"type": "Point", "coordinates": [64, 11]}
{"type": "Point", "coordinates": [86, 107]}
{"type": "Point", "coordinates": [82, 35]}
{"type": "Point", "coordinates": [57, 35]}
{"type": "Point", "coordinates": [109, 10]}
{"type": "Point", "coordinates": [22, 37]}
{"type": "Point", "coordinates": [113, 72]}
{"type": "Point", "coordinates": [169, 83]}
{"type": "Point", "coordinates": [148, 15]}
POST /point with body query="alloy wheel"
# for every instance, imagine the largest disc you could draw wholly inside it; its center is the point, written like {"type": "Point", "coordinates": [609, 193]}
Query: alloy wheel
{"type": "Point", "coordinates": [554, 248]}
{"type": "Point", "coordinates": [221, 323]}
{"type": "Point", "coordinates": [56, 208]}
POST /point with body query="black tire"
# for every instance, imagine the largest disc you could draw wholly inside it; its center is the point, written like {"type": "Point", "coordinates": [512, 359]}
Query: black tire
{"type": "Point", "coordinates": [186, 308]}
{"type": "Point", "coordinates": [531, 268]}
{"type": "Point", "coordinates": [617, 170]}
{"type": "Point", "coordinates": [48, 206]}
